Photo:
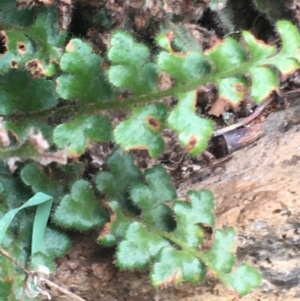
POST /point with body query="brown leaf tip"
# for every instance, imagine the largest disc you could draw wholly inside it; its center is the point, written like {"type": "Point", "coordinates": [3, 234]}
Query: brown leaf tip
{"type": "Point", "coordinates": [173, 279]}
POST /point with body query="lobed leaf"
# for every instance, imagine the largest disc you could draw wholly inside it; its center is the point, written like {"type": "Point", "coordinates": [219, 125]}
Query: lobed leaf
{"type": "Point", "coordinates": [80, 209]}
{"type": "Point", "coordinates": [33, 175]}
{"type": "Point", "coordinates": [244, 279]}
{"type": "Point", "coordinates": [23, 93]}
{"type": "Point", "coordinates": [46, 31]}
{"type": "Point", "coordinates": [288, 58]}
{"type": "Point", "coordinates": [221, 254]}
{"type": "Point", "coordinates": [190, 215]}
{"type": "Point", "coordinates": [138, 247]}
{"type": "Point", "coordinates": [116, 183]}
{"type": "Point", "coordinates": [78, 133]}
{"type": "Point", "coordinates": [152, 197]}
{"type": "Point", "coordinates": [19, 49]}
{"type": "Point", "coordinates": [131, 68]}
{"type": "Point", "coordinates": [55, 244]}
{"type": "Point", "coordinates": [194, 131]}
{"type": "Point", "coordinates": [70, 173]}
{"type": "Point", "coordinates": [36, 46]}
{"type": "Point", "coordinates": [141, 130]}
{"type": "Point", "coordinates": [84, 77]}
{"type": "Point", "coordinates": [233, 89]}
{"type": "Point", "coordinates": [227, 54]}
{"type": "Point", "coordinates": [175, 266]}
{"type": "Point", "coordinates": [41, 259]}
{"type": "Point", "coordinates": [114, 230]}
{"type": "Point", "coordinates": [264, 81]}
{"type": "Point", "coordinates": [183, 67]}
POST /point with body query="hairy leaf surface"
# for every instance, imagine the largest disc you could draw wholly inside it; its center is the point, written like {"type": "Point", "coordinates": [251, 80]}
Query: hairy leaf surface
{"type": "Point", "coordinates": [84, 78]}
{"type": "Point", "coordinates": [131, 68]}
{"type": "Point", "coordinates": [78, 133]}
{"type": "Point", "coordinates": [152, 197]}
{"type": "Point", "coordinates": [193, 131]}
{"type": "Point", "coordinates": [80, 209]}
{"type": "Point", "coordinates": [142, 129]}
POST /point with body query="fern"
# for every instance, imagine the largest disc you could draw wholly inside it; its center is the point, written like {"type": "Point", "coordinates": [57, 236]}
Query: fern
{"type": "Point", "coordinates": [140, 213]}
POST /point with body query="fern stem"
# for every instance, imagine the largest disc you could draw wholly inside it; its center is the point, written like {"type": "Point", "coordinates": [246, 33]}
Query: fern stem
{"type": "Point", "coordinates": [92, 108]}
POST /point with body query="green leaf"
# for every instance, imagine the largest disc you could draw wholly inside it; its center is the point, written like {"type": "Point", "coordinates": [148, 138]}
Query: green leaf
{"type": "Point", "coordinates": [40, 222]}
{"type": "Point", "coordinates": [19, 49]}
{"type": "Point", "coordinates": [116, 183]}
{"type": "Point", "coordinates": [257, 48]}
{"type": "Point", "coordinates": [46, 32]}
{"type": "Point", "coordinates": [164, 41]}
{"type": "Point", "coordinates": [10, 15]}
{"type": "Point", "coordinates": [33, 175]}
{"type": "Point", "coordinates": [184, 67]}
{"type": "Point", "coordinates": [132, 69]}
{"type": "Point", "coordinates": [42, 213]}
{"type": "Point", "coordinates": [12, 190]}
{"type": "Point", "coordinates": [233, 89]}
{"type": "Point", "coordinates": [264, 79]}
{"type": "Point", "coordinates": [287, 60]}
{"type": "Point", "coordinates": [21, 92]}
{"type": "Point", "coordinates": [264, 82]}
{"type": "Point", "coordinates": [180, 36]}
{"type": "Point", "coordinates": [71, 172]}
{"type": "Point", "coordinates": [141, 130]}
{"type": "Point", "coordinates": [114, 231]}
{"type": "Point", "coordinates": [80, 209]}
{"type": "Point", "coordinates": [174, 266]}
{"type": "Point", "coordinates": [40, 258]}
{"type": "Point", "coordinates": [78, 133]}
{"type": "Point", "coordinates": [138, 247]}
{"type": "Point", "coordinates": [84, 78]}
{"type": "Point", "coordinates": [227, 55]}
{"type": "Point", "coordinates": [244, 279]}
{"type": "Point", "coordinates": [55, 243]}
{"type": "Point", "coordinates": [221, 254]}
{"type": "Point", "coordinates": [193, 131]}
{"type": "Point", "coordinates": [44, 204]}
{"type": "Point", "coordinates": [38, 43]}
{"type": "Point", "coordinates": [152, 197]}
{"type": "Point", "coordinates": [189, 215]}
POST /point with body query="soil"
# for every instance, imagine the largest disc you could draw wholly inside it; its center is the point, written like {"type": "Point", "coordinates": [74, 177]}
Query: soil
{"type": "Point", "coordinates": [257, 192]}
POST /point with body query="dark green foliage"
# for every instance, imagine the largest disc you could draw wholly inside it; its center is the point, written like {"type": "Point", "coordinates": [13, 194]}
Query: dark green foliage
{"type": "Point", "coordinates": [55, 95]}
{"type": "Point", "coordinates": [13, 99]}
{"type": "Point", "coordinates": [77, 134]}
{"type": "Point", "coordinates": [83, 76]}
{"type": "Point", "coordinates": [274, 10]}
{"type": "Point", "coordinates": [80, 209]}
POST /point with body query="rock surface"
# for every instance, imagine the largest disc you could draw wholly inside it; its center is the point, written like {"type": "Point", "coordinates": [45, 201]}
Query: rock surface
{"type": "Point", "coordinates": [258, 193]}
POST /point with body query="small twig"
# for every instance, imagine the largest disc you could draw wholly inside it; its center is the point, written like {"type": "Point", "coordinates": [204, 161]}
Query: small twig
{"type": "Point", "coordinates": [245, 121]}
{"type": "Point", "coordinates": [15, 261]}
{"type": "Point", "coordinates": [48, 282]}
{"type": "Point", "coordinates": [255, 114]}
{"type": "Point", "coordinates": [63, 290]}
